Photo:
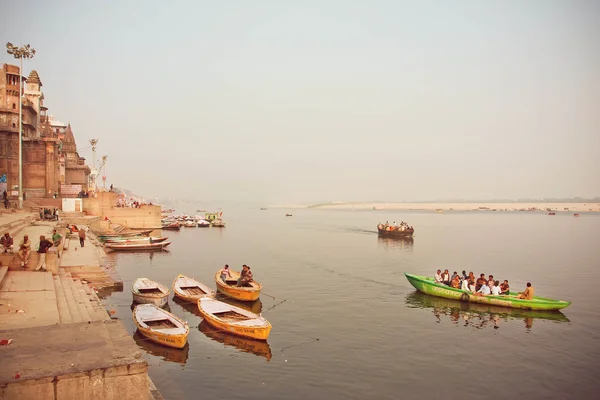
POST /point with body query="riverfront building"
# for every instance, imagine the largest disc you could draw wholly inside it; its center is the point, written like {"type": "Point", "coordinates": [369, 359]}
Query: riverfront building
{"type": "Point", "coordinates": [51, 163]}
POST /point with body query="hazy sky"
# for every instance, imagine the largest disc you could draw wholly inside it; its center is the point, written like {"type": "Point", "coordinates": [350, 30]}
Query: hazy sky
{"type": "Point", "coordinates": [289, 101]}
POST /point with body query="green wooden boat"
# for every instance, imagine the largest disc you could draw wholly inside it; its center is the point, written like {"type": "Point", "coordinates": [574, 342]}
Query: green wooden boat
{"type": "Point", "coordinates": [424, 301]}
{"type": "Point", "coordinates": [428, 286]}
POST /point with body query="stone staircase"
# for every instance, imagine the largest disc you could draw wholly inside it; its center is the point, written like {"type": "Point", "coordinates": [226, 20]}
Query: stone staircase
{"type": "Point", "coordinates": [76, 301]}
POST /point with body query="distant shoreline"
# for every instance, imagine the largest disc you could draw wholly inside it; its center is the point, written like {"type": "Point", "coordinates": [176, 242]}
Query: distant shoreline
{"type": "Point", "coordinates": [475, 206]}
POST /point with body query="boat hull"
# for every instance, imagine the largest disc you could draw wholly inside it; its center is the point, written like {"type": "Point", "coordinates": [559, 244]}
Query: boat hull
{"type": "Point", "coordinates": [395, 234]}
{"type": "Point", "coordinates": [428, 286]}
{"type": "Point", "coordinates": [237, 293]}
{"type": "Point", "coordinates": [134, 246]}
{"type": "Point", "coordinates": [157, 301]}
{"type": "Point", "coordinates": [191, 298]}
{"type": "Point", "coordinates": [252, 332]}
{"type": "Point", "coordinates": [177, 340]}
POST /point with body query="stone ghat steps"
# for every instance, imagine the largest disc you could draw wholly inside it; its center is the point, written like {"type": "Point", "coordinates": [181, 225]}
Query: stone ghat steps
{"type": "Point", "coordinates": [76, 301]}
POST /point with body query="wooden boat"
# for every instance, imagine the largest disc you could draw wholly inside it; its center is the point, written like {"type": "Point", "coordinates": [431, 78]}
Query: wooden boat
{"type": "Point", "coordinates": [171, 354]}
{"type": "Point", "coordinates": [136, 240]}
{"type": "Point", "coordinates": [136, 246]}
{"type": "Point", "coordinates": [230, 289]}
{"type": "Point", "coordinates": [576, 215]}
{"type": "Point", "coordinates": [551, 213]}
{"type": "Point", "coordinates": [258, 347]}
{"type": "Point", "coordinates": [395, 233]}
{"type": "Point", "coordinates": [288, 215]}
{"type": "Point", "coordinates": [189, 223]}
{"type": "Point", "coordinates": [146, 291]}
{"type": "Point", "coordinates": [125, 234]}
{"type": "Point", "coordinates": [218, 223]}
{"type": "Point", "coordinates": [172, 227]}
{"type": "Point", "coordinates": [161, 326]}
{"type": "Point", "coordinates": [421, 300]}
{"type": "Point", "coordinates": [233, 319]}
{"type": "Point", "coordinates": [428, 286]}
{"type": "Point", "coordinates": [263, 208]}
{"type": "Point", "coordinates": [190, 289]}
{"type": "Point", "coordinates": [203, 223]}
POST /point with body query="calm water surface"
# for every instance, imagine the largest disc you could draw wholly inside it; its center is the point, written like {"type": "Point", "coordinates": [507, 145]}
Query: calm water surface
{"type": "Point", "coordinates": [348, 325]}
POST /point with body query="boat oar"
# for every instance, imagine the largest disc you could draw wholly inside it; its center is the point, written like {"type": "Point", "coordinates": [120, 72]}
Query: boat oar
{"type": "Point", "coordinates": [273, 297]}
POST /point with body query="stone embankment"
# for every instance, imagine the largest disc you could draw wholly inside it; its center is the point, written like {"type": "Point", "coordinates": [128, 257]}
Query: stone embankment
{"type": "Point", "coordinates": [64, 343]}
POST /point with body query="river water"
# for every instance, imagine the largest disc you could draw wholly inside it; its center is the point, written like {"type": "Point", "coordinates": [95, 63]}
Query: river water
{"type": "Point", "coordinates": [348, 325]}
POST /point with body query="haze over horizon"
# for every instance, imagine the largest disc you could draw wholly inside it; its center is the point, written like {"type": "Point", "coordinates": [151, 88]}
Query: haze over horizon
{"type": "Point", "coordinates": [274, 102]}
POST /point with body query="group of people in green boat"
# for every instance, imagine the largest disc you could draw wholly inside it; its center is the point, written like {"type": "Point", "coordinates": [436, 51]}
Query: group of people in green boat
{"type": "Point", "coordinates": [480, 286]}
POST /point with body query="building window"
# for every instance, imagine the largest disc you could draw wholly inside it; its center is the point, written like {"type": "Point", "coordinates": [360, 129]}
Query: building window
{"type": "Point", "coordinates": [14, 125]}
{"type": "Point", "coordinates": [14, 106]}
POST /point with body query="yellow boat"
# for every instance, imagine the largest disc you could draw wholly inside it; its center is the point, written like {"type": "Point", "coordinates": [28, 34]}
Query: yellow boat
{"type": "Point", "coordinates": [189, 289]}
{"type": "Point", "coordinates": [229, 288]}
{"type": "Point", "coordinates": [234, 320]}
{"type": "Point", "coordinates": [259, 347]}
{"type": "Point", "coordinates": [160, 326]}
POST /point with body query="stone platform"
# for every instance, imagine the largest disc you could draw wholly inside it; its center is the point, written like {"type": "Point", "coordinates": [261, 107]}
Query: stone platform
{"type": "Point", "coordinates": [89, 360]}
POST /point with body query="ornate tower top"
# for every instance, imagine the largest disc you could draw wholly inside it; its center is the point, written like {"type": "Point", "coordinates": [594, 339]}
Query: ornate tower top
{"type": "Point", "coordinates": [34, 77]}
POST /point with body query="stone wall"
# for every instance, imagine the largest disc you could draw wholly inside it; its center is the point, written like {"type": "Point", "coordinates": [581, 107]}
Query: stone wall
{"type": "Point", "coordinates": [104, 206]}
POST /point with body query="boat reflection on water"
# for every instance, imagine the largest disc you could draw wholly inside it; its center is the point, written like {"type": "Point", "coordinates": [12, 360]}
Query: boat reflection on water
{"type": "Point", "coordinates": [252, 306]}
{"type": "Point", "coordinates": [258, 347]}
{"type": "Point", "coordinates": [190, 307]}
{"type": "Point", "coordinates": [171, 354]}
{"type": "Point", "coordinates": [478, 316]}
{"type": "Point", "coordinates": [395, 243]}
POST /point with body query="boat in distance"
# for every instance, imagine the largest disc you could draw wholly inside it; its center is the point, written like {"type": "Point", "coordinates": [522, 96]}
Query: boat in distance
{"type": "Point", "coordinates": [428, 286]}
{"type": "Point", "coordinates": [146, 291]}
{"type": "Point", "coordinates": [189, 289]}
{"type": "Point", "coordinates": [137, 246]}
{"type": "Point", "coordinates": [234, 320]}
{"type": "Point", "coordinates": [229, 287]}
{"type": "Point", "coordinates": [161, 326]}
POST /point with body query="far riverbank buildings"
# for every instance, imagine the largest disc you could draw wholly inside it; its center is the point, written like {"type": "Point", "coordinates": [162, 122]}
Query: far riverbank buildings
{"type": "Point", "coordinates": [51, 163]}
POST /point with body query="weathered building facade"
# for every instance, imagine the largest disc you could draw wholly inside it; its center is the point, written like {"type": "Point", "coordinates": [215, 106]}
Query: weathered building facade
{"type": "Point", "coordinates": [50, 158]}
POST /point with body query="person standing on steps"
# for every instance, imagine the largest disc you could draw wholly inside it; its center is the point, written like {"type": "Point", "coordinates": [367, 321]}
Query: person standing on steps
{"type": "Point", "coordinates": [24, 250]}
{"type": "Point", "coordinates": [82, 237]}
{"type": "Point", "coordinates": [44, 246]}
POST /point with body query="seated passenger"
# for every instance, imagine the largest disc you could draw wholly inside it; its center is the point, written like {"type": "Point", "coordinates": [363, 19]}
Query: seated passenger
{"type": "Point", "coordinates": [504, 288]}
{"type": "Point", "coordinates": [465, 285]}
{"type": "Point", "coordinates": [528, 293]}
{"type": "Point", "coordinates": [453, 275]}
{"type": "Point", "coordinates": [438, 276]}
{"type": "Point", "coordinates": [491, 281]}
{"type": "Point", "coordinates": [496, 289]}
{"type": "Point", "coordinates": [455, 282]}
{"type": "Point", "coordinates": [446, 277]}
{"type": "Point", "coordinates": [481, 281]}
{"type": "Point", "coordinates": [483, 291]}
{"type": "Point", "coordinates": [472, 283]}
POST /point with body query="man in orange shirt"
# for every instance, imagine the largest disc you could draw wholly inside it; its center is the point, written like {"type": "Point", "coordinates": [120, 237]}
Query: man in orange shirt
{"type": "Point", "coordinates": [528, 293]}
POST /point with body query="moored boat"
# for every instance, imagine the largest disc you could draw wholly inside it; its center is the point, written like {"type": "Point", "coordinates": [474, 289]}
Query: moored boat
{"type": "Point", "coordinates": [428, 286]}
{"type": "Point", "coordinates": [125, 234]}
{"type": "Point", "coordinates": [141, 239]}
{"type": "Point", "coordinates": [160, 326]}
{"type": "Point", "coordinates": [258, 347]}
{"type": "Point", "coordinates": [233, 319]}
{"type": "Point", "coordinates": [146, 291]}
{"type": "Point", "coordinates": [189, 289]}
{"type": "Point", "coordinates": [229, 287]}
{"type": "Point", "coordinates": [218, 223]}
{"type": "Point", "coordinates": [203, 223]}
{"type": "Point", "coordinates": [189, 223]}
{"type": "Point", "coordinates": [174, 226]}
{"type": "Point", "coordinates": [288, 215]}
{"type": "Point", "coordinates": [137, 246]}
